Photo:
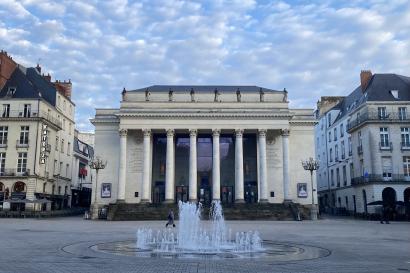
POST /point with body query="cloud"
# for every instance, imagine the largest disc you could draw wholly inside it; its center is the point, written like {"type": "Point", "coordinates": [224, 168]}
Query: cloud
{"type": "Point", "coordinates": [312, 49]}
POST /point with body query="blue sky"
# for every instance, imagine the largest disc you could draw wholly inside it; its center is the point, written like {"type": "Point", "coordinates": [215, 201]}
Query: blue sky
{"type": "Point", "coordinates": [313, 48]}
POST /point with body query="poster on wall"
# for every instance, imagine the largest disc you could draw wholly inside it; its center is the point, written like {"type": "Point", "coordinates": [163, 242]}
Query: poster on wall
{"type": "Point", "coordinates": [302, 190]}
{"type": "Point", "coordinates": [106, 190]}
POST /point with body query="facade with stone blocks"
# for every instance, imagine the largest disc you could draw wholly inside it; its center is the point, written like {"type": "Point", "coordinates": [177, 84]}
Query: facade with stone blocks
{"type": "Point", "coordinates": [363, 143]}
{"type": "Point", "coordinates": [236, 144]}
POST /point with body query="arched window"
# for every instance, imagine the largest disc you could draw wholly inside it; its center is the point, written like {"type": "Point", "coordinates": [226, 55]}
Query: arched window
{"type": "Point", "coordinates": [389, 196]}
{"type": "Point", "coordinates": [19, 187]}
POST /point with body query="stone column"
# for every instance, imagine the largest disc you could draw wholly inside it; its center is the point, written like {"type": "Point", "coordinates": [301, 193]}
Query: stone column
{"type": "Point", "coordinates": [216, 172]}
{"type": "Point", "coordinates": [192, 166]}
{"type": "Point", "coordinates": [239, 196]}
{"type": "Point", "coordinates": [170, 168]}
{"type": "Point", "coordinates": [285, 148]}
{"type": "Point", "coordinates": [146, 185]}
{"type": "Point", "coordinates": [123, 165]}
{"type": "Point", "coordinates": [263, 167]}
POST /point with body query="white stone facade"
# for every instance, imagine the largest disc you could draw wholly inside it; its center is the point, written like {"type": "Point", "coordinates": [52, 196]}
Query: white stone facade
{"type": "Point", "coordinates": [125, 139]}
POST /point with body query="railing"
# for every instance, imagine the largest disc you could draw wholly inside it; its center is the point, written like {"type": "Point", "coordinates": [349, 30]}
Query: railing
{"type": "Point", "coordinates": [405, 145]}
{"type": "Point", "coordinates": [22, 144]}
{"type": "Point", "coordinates": [374, 116]}
{"type": "Point", "coordinates": [14, 172]}
{"type": "Point", "coordinates": [31, 114]}
{"type": "Point", "coordinates": [386, 146]}
{"type": "Point", "coordinates": [372, 178]}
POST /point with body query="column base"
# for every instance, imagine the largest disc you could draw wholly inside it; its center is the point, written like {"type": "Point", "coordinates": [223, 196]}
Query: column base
{"type": "Point", "coordinates": [145, 201]}
{"type": "Point", "coordinates": [239, 201]}
{"type": "Point", "coordinates": [169, 201]}
{"type": "Point", "coordinates": [264, 201]}
{"type": "Point", "coordinates": [120, 201]}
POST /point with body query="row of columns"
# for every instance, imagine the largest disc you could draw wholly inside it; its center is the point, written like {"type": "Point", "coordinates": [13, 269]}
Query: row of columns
{"type": "Point", "coordinates": [170, 166]}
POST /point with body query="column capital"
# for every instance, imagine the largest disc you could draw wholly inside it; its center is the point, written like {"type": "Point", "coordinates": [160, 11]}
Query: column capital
{"type": "Point", "coordinates": [170, 132]}
{"type": "Point", "coordinates": [123, 132]}
{"type": "Point", "coordinates": [193, 132]}
{"type": "Point", "coordinates": [216, 132]}
{"type": "Point", "coordinates": [146, 132]}
{"type": "Point", "coordinates": [239, 132]}
{"type": "Point", "coordinates": [262, 132]}
{"type": "Point", "coordinates": [285, 132]}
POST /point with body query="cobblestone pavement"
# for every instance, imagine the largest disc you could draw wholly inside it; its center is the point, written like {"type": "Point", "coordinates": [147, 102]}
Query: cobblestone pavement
{"type": "Point", "coordinates": [62, 245]}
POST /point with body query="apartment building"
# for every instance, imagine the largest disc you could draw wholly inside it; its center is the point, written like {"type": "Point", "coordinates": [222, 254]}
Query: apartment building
{"type": "Point", "coordinates": [36, 138]}
{"type": "Point", "coordinates": [363, 143]}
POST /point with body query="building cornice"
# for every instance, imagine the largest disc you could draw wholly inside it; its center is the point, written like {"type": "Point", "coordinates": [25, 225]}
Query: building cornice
{"type": "Point", "coordinates": [166, 115]}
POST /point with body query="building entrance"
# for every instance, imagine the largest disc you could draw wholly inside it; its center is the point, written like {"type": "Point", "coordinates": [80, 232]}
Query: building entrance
{"type": "Point", "coordinates": [159, 192]}
{"type": "Point", "coordinates": [251, 192]}
{"type": "Point", "coordinates": [181, 193]}
{"type": "Point", "coordinates": [227, 194]}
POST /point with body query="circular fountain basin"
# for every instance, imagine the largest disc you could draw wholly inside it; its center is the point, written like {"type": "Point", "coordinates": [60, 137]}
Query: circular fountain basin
{"type": "Point", "coordinates": [272, 251]}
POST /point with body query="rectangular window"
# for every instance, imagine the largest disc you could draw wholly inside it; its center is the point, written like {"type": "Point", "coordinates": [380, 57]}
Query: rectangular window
{"type": "Point", "coordinates": [68, 148]}
{"type": "Point", "coordinates": [22, 163]}
{"type": "Point", "coordinates": [387, 167]}
{"type": "Point", "coordinates": [342, 147]}
{"type": "Point", "coordinates": [57, 140]}
{"type": "Point", "coordinates": [335, 134]}
{"type": "Point", "coordinates": [406, 166]}
{"type": "Point", "coordinates": [384, 137]}
{"type": "Point", "coordinates": [350, 145]}
{"type": "Point", "coordinates": [332, 178]}
{"type": "Point", "coordinates": [3, 135]}
{"type": "Point", "coordinates": [342, 131]}
{"type": "Point", "coordinates": [382, 112]}
{"type": "Point", "coordinates": [67, 170]}
{"type": "Point", "coordinates": [338, 177]}
{"type": "Point", "coordinates": [405, 138]}
{"type": "Point", "coordinates": [402, 113]}
{"type": "Point", "coordinates": [2, 163]}
{"type": "Point", "coordinates": [6, 111]}
{"type": "Point", "coordinates": [62, 146]}
{"type": "Point", "coordinates": [329, 120]}
{"type": "Point", "coordinates": [336, 153]}
{"type": "Point", "coordinates": [27, 110]}
{"type": "Point", "coordinates": [330, 136]}
{"type": "Point", "coordinates": [61, 168]}
{"type": "Point", "coordinates": [331, 155]}
{"type": "Point", "coordinates": [24, 131]}
{"type": "Point", "coordinates": [344, 176]}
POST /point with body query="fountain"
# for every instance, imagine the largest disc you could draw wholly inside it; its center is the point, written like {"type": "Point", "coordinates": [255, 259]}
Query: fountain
{"type": "Point", "coordinates": [191, 235]}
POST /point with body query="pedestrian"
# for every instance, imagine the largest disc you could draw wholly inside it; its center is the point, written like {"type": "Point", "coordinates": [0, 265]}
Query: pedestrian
{"type": "Point", "coordinates": [170, 218]}
{"type": "Point", "coordinates": [385, 214]}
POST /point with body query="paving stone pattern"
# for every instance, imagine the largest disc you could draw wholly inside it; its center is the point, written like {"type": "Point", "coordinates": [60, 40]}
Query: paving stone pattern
{"type": "Point", "coordinates": [61, 245]}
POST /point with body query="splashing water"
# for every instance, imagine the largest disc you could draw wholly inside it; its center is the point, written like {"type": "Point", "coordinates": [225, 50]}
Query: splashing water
{"type": "Point", "coordinates": [192, 236]}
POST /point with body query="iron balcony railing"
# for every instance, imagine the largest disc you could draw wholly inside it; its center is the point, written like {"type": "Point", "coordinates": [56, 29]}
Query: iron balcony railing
{"type": "Point", "coordinates": [14, 172]}
{"type": "Point", "coordinates": [379, 178]}
{"type": "Point", "coordinates": [386, 146]}
{"type": "Point", "coordinates": [30, 114]}
{"type": "Point", "coordinates": [374, 116]}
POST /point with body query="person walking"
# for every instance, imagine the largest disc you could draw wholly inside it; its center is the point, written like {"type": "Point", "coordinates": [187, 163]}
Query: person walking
{"type": "Point", "coordinates": [385, 214]}
{"type": "Point", "coordinates": [170, 218]}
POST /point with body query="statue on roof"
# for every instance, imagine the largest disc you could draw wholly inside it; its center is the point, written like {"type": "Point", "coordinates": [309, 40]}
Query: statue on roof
{"type": "Point", "coordinates": [238, 95]}
{"type": "Point", "coordinates": [192, 93]}
{"type": "Point", "coordinates": [170, 95]}
{"type": "Point", "coordinates": [285, 96]}
{"type": "Point", "coordinates": [261, 95]}
{"type": "Point", "coordinates": [216, 98]}
{"type": "Point", "coordinates": [147, 94]}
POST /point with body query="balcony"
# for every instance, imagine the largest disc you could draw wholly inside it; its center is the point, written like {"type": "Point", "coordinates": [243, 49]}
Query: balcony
{"type": "Point", "coordinates": [14, 172]}
{"type": "Point", "coordinates": [32, 114]}
{"type": "Point", "coordinates": [373, 116]}
{"type": "Point", "coordinates": [22, 144]}
{"type": "Point", "coordinates": [378, 178]}
{"type": "Point", "coordinates": [386, 146]}
{"type": "Point", "coordinates": [403, 145]}
{"type": "Point", "coordinates": [360, 149]}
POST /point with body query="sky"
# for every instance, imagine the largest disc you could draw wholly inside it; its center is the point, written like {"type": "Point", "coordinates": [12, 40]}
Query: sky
{"type": "Point", "coordinates": [311, 48]}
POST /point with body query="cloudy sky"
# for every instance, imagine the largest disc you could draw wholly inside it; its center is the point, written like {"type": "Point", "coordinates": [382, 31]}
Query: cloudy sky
{"type": "Point", "coordinates": [312, 48]}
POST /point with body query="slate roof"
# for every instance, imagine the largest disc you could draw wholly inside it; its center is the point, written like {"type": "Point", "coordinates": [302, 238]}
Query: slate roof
{"type": "Point", "coordinates": [378, 89]}
{"type": "Point", "coordinates": [204, 88]}
{"type": "Point", "coordinates": [29, 85]}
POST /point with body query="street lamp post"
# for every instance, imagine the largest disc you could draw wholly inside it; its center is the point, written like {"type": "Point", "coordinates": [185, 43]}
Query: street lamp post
{"type": "Point", "coordinates": [311, 165]}
{"type": "Point", "coordinates": [96, 164]}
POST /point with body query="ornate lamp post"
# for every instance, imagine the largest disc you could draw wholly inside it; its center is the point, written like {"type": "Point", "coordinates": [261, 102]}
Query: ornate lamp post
{"type": "Point", "coordinates": [311, 165]}
{"type": "Point", "coordinates": [96, 164]}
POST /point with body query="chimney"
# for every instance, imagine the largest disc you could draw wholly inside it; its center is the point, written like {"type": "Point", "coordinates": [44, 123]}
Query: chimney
{"type": "Point", "coordinates": [7, 67]}
{"type": "Point", "coordinates": [64, 87]}
{"type": "Point", "coordinates": [365, 77]}
{"type": "Point", "coordinates": [47, 77]}
{"type": "Point", "coordinates": [38, 67]}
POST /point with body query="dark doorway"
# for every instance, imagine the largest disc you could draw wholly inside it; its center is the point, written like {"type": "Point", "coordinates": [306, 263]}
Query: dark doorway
{"type": "Point", "coordinates": [251, 192]}
{"type": "Point", "coordinates": [389, 196]}
{"type": "Point", "coordinates": [205, 190]}
{"type": "Point", "coordinates": [227, 194]}
{"type": "Point", "coordinates": [181, 193]}
{"type": "Point", "coordinates": [204, 166]}
{"type": "Point", "coordinates": [406, 195]}
{"type": "Point", "coordinates": [159, 192]}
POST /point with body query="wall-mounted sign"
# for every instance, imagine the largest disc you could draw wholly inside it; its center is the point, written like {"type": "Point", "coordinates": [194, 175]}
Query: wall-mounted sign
{"type": "Point", "coordinates": [106, 190]}
{"type": "Point", "coordinates": [44, 141]}
{"type": "Point", "coordinates": [302, 190]}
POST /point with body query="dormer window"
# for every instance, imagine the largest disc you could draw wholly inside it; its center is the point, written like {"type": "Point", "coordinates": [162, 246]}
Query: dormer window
{"type": "Point", "coordinates": [11, 91]}
{"type": "Point", "coordinates": [395, 93]}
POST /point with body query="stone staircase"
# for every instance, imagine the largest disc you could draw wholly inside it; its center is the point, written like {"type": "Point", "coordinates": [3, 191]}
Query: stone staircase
{"type": "Point", "coordinates": [119, 212]}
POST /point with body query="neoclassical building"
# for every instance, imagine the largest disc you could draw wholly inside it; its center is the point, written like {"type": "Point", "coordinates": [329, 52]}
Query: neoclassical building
{"type": "Point", "coordinates": [236, 144]}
